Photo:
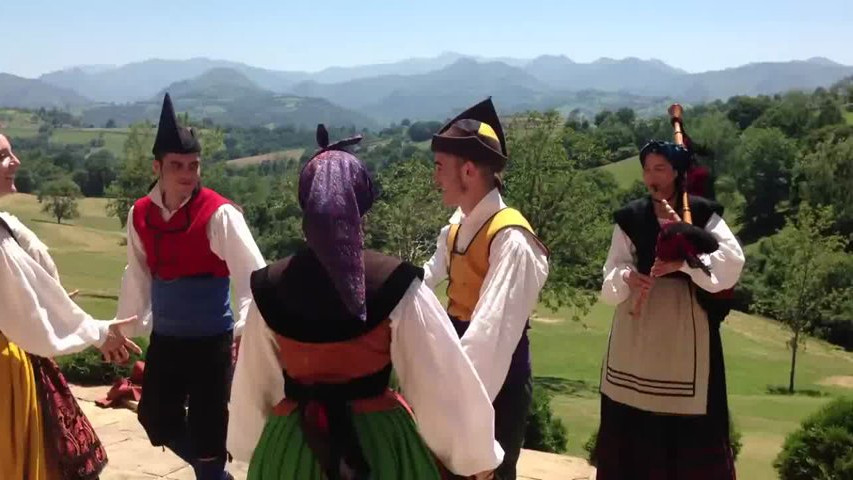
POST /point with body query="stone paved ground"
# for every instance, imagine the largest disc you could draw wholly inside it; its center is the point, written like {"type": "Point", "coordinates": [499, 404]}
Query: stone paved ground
{"type": "Point", "coordinates": [131, 457]}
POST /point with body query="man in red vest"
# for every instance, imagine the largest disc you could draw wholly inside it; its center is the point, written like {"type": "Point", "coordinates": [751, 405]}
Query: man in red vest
{"type": "Point", "coordinates": [185, 243]}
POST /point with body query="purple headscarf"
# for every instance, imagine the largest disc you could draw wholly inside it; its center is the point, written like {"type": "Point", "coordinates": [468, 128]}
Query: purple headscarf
{"type": "Point", "coordinates": [335, 191]}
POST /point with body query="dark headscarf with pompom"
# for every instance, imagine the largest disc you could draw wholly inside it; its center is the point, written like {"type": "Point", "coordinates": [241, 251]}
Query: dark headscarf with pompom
{"type": "Point", "coordinates": [335, 191]}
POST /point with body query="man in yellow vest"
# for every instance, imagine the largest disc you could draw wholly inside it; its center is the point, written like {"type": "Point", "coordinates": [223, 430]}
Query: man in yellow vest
{"type": "Point", "coordinates": [496, 267]}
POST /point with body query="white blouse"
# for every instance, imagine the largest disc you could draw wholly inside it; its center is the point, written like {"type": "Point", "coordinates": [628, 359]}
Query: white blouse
{"type": "Point", "coordinates": [518, 268]}
{"type": "Point", "coordinates": [35, 311]}
{"type": "Point", "coordinates": [726, 263]}
{"type": "Point", "coordinates": [453, 412]}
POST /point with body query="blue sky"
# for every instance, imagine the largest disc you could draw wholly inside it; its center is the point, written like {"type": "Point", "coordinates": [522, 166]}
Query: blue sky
{"type": "Point", "coordinates": [42, 36]}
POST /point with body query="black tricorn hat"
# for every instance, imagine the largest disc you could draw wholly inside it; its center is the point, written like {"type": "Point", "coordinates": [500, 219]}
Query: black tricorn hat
{"type": "Point", "coordinates": [475, 134]}
{"type": "Point", "coordinates": [171, 137]}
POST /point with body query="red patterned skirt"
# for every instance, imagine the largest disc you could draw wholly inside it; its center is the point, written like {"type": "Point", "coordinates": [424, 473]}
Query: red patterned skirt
{"type": "Point", "coordinates": [69, 436]}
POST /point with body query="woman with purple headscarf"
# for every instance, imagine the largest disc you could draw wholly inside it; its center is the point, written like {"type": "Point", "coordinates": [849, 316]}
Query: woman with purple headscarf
{"type": "Point", "coordinates": [310, 398]}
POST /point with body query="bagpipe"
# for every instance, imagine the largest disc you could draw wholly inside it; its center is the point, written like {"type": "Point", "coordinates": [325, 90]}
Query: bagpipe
{"type": "Point", "coordinates": [679, 239]}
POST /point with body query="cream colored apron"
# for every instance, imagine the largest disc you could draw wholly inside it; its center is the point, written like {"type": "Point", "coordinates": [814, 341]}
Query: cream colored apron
{"type": "Point", "coordinates": [659, 361]}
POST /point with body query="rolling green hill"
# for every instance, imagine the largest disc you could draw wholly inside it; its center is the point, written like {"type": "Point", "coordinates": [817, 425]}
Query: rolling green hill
{"type": "Point", "coordinates": [626, 171]}
{"type": "Point", "coordinates": [18, 124]}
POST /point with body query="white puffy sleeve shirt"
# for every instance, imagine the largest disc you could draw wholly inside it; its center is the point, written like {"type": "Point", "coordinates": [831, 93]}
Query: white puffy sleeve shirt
{"type": "Point", "coordinates": [726, 263]}
{"type": "Point", "coordinates": [36, 313]}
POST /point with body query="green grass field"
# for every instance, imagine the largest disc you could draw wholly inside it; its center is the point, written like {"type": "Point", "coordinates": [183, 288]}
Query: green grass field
{"type": "Point", "coordinates": [567, 354]}
{"type": "Point", "coordinates": [113, 138]}
{"type": "Point", "coordinates": [291, 154]}
{"type": "Point", "coordinates": [17, 124]}
{"type": "Point", "coordinates": [849, 117]}
{"type": "Point", "coordinates": [87, 250]}
{"type": "Point", "coordinates": [626, 171]}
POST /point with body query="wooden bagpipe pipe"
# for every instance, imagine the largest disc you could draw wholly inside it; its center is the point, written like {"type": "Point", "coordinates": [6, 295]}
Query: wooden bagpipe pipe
{"type": "Point", "coordinates": [680, 240]}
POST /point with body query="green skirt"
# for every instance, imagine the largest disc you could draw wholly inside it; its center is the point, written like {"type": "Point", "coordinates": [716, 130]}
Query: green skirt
{"type": "Point", "coordinates": [389, 440]}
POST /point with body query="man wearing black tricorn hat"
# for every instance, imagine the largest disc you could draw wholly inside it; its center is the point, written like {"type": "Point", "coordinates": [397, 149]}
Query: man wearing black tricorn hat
{"type": "Point", "coordinates": [185, 244]}
{"type": "Point", "coordinates": [495, 265]}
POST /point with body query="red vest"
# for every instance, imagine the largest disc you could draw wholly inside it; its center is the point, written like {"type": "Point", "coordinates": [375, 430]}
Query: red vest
{"type": "Point", "coordinates": [180, 247]}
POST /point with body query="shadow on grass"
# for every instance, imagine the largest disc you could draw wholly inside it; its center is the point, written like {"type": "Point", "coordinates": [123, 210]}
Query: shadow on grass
{"type": "Point", "coordinates": [566, 386]}
{"type": "Point", "coordinates": [780, 390]}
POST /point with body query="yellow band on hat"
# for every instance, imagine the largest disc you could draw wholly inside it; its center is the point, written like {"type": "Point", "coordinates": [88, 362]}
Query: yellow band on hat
{"type": "Point", "coordinates": [486, 130]}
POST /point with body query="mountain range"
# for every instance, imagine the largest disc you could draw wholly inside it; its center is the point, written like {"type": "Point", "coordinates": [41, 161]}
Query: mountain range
{"type": "Point", "coordinates": [228, 97]}
{"type": "Point", "coordinates": [19, 92]}
{"type": "Point", "coordinates": [417, 88]}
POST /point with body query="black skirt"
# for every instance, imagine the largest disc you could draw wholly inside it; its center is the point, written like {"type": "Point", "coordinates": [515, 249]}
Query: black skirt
{"type": "Point", "coordinates": [636, 444]}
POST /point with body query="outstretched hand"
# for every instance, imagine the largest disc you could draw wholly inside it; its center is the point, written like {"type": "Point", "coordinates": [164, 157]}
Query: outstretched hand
{"type": "Point", "coordinates": [117, 347]}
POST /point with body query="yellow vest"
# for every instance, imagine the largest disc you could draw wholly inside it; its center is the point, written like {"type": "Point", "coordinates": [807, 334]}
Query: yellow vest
{"type": "Point", "coordinates": [468, 269]}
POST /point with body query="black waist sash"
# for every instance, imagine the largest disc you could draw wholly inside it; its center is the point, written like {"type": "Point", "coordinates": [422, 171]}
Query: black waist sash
{"type": "Point", "coordinates": [326, 420]}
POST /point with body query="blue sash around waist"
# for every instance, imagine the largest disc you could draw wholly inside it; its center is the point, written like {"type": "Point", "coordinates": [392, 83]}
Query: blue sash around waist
{"type": "Point", "coordinates": [192, 306]}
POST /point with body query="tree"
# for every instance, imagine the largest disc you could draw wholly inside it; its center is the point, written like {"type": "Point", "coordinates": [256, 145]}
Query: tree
{"type": "Point", "coordinates": [796, 273]}
{"type": "Point", "coordinates": [276, 220]}
{"type": "Point", "coordinates": [719, 135]}
{"type": "Point", "coordinates": [601, 117]}
{"type": "Point", "coordinates": [545, 432]}
{"type": "Point", "coordinates": [743, 110]}
{"type": "Point", "coordinates": [212, 144]}
{"type": "Point", "coordinates": [566, 206]}
{"type": "Point", "coordinates": [59, 199]}
{"type": "Point", "coordinates": [135, 175]}
{"type": "Point", "coordinates": [576, 121]}
{"type": "Point", "coordinates": [727, 193]}
{"type": "Point", "coordinates": [585, 149]}
{"type": "Point", "coordinates": [613, 135]}
{"type": "Point", "coordinates": [826, 178]}
{"type": "Point", "coordinates": [822, 448]}
{"type": "Point", "coordinates": [110, 124]}
{"type": "Point", "coordinates": [98, 141]}
{"type": "Point", "coordinates": [764, 160]}
{"type": "Point", "coordinates": [829, 113]}
{"type": "Point", "coordinates": [626, 116]}
{"type": "Point", "coordinates": [69, 157]}
{"type": "Point", "coordinates": [99, 170]}
{"type": "Point", "coordinates": [421, 131]}
{"type": "Point", "coordinates": [651, 129]}
{"type": "Point", "coordinates": [792, 115]}
{"type": "Point", "coordinates": [409, 214]}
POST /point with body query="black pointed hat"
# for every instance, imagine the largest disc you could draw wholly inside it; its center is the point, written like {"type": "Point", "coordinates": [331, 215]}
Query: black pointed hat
{"type": "Point", "coordinates": [475, 134]}
{"type": "Point", "coordinates": [171, 137]}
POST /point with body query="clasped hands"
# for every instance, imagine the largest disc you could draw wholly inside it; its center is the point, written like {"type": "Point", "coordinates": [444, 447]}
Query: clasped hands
{"type": "Point", "coordinates": [117, 347]}
{"type": "Point", "coordinates": [661, 268]}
